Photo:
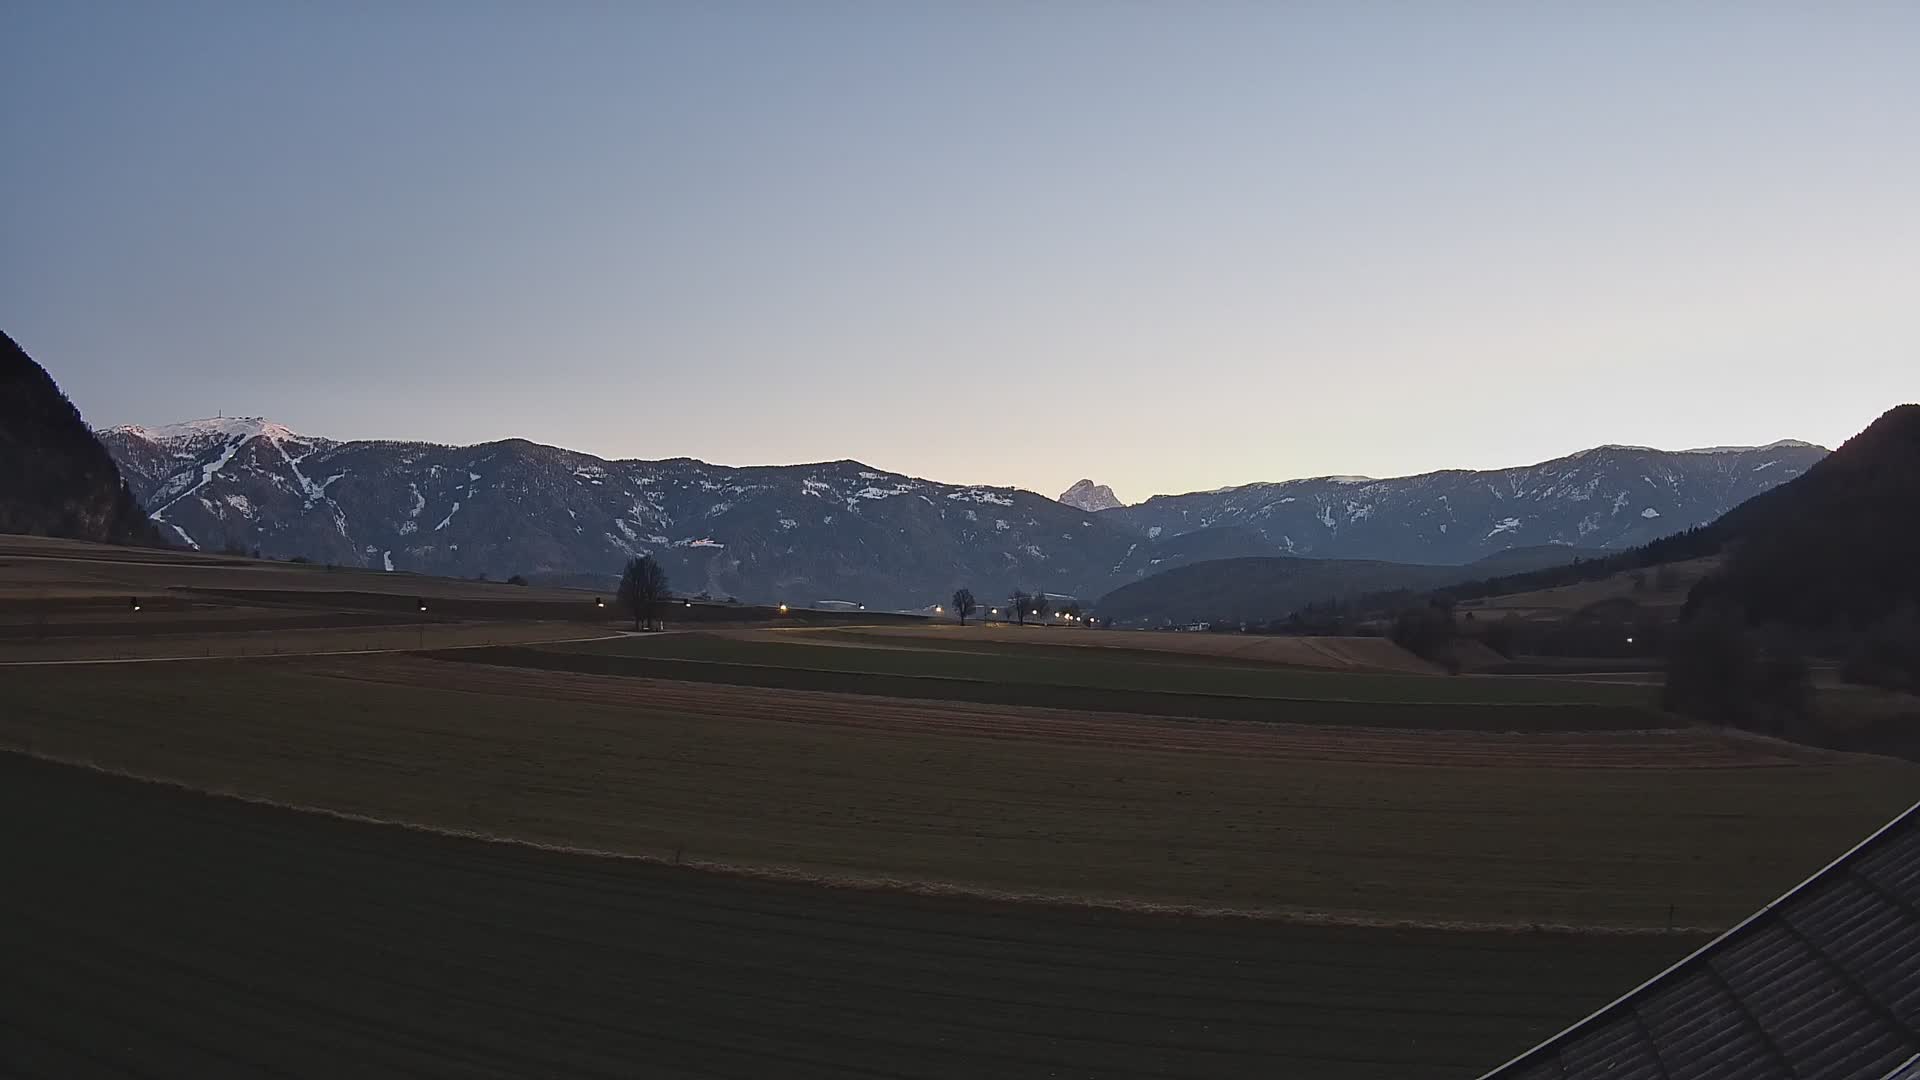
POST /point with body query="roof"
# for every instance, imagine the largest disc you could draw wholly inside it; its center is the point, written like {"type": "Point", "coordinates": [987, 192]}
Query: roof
{"type": "Point", "coordinates": [1822, 983]}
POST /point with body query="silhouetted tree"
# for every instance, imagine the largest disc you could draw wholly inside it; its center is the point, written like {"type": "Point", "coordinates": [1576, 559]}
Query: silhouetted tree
{"type": "Point", "coordinates": [1037, 604]}
{"type": "Point", "coordinates": [1887, 655]}
{"type": "Point", "coordinates": [963, 604]}
{"type": "Point", "coordinates": [1019, 600]}
{"type": "Point", "coordinates": [1502, 636]}
{"type": "Point", "coordinates": [1719, 671]}
{"type": "Point", "coordinates": [1428, 632]}
{"type": "Point", "coordinates": [642, 587]}
{"type": "Point", "coordinates": [1666, 579]}
{"type": "Point", "coordinates": [516, 580]}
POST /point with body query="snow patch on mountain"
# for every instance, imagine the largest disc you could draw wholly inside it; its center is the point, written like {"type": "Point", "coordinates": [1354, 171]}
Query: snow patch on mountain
{"type": "Point", "coordinates": [239, 428]}
{"type": "Point", "coordinates": [981, 495]}
{"type": "Point", "coordinates": [207, 473]}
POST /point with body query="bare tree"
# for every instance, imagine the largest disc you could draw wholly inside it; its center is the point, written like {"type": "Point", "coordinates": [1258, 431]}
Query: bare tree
{"type": "Point", "coordinates": [1019, 601]}
{"type": "Point", "coordinates": [1037, 604]}
{"type": "Point", "coordinates": [642, 587]}
{"type": "Point", "coordinates": [963, 604]}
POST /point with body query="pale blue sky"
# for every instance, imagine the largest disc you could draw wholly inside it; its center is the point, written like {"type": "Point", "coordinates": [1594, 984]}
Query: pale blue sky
{"type": "Point", "coordinates": [1167, 246]}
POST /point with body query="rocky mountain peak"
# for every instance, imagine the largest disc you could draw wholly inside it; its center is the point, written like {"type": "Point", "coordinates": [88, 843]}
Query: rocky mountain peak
{"type": "Point", "coordinates": [1091, 497]}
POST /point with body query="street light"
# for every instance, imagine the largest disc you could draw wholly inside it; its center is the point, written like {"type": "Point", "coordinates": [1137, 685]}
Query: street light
{"type": "Point", "coordinates": [783, 609]}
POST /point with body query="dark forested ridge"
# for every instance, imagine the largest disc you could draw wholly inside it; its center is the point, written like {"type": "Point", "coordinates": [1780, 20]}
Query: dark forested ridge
{"type": "Point", "coordinates": [55, 477]}
{"type": "Point", "coordinates": [1839, 545]}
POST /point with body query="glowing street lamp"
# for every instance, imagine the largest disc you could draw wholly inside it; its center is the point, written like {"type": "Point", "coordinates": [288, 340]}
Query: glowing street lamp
{"type": "Point", "coordinates": [783, 609]}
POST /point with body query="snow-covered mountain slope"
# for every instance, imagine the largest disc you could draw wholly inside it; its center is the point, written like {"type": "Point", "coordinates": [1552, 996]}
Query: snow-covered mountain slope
{"type": "Point", "coordinates": [843, 530]}
{"type": "Point", "coordinates": [835, 530]}
{"type": "Point", "coordinates": [1607, 497]}
{"type": "Point", "coordinates": [1091, 497]}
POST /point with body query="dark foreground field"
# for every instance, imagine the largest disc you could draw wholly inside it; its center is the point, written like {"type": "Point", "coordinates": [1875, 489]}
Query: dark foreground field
{"type": "Point", "coordinates": [151, 931]}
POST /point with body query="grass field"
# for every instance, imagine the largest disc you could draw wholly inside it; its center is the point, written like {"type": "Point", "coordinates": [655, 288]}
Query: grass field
{"type": "Point", "coordinates": [1119, 668]}
{"type": "Point", "coordinates": [904, 850]}
{"type": "Point", "coordinates": [1563, 600]}
{"type": "Point", "coordinates": [1448, 716]}
{"type": "Point", "coordinates": [1332, 653]}
{"type": "Point", "coordinates": [216, 938]}
{"type": "Point", "coordinates": [1591, 829]}
{"type": "Point", "coordinates": [67, 600]}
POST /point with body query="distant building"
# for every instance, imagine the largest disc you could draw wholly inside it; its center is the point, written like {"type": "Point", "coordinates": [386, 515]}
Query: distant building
{"type": "Point", "coordinates": [838, 605]}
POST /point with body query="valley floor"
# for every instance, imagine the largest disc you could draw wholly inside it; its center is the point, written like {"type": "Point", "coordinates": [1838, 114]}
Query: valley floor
{"type": "Point", "coordinates": [913, 853]}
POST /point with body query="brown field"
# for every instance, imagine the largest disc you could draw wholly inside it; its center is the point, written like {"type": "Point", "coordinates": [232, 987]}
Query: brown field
{"type": "Point", "coordinates": [1335, 653]}
{"type": "Point", "coordinates": [1566, 599]}
{"type": "Point", "coordinates": [255, 639]}
{"type": "Point", "coordinates": [211, 937]}
{"type": "Point", "coordinates": [1446, 827]}
{"type": "Point", "coordinates": [33, 567]}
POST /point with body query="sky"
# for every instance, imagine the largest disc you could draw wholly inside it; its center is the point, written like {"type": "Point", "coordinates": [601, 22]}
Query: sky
{"type": "Point", "coordinates": [1166, 246]}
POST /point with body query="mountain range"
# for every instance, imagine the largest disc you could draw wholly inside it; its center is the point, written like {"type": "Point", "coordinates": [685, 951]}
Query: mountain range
{"type": "Point", "coordinates": [844, 530]}
{"type": "Point", "coordinates": [1607, 497]}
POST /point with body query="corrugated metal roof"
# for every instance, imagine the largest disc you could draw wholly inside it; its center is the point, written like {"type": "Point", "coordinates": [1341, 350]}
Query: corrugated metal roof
{"type": "Point", "coordinates": [1821, 984]}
